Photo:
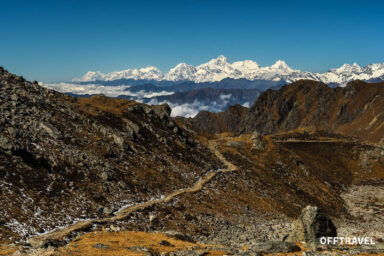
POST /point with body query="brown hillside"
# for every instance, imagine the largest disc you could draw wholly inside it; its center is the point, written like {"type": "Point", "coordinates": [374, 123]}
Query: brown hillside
{"type": "Point", "coordinates": [355, 110]}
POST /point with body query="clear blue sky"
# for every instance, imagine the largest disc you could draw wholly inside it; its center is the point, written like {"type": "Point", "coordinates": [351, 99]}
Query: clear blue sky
{"type": "Point", "coordinates": [58, 40]}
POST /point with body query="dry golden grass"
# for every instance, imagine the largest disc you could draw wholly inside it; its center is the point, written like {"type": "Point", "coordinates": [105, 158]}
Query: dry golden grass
{"type": "Point", "coordinates": [7, 250]}
{"type": "Point", "coordinates": [102, 103]}
{"type": "Point", "coordinates": [125, 242]}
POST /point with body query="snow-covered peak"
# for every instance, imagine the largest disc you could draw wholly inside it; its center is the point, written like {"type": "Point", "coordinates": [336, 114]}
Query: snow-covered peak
{"type": "Point", "coordinates": [150, 69]}
{"type": "Point", "coordinates": [281, 65]}
{"type": "Point", "coordinates": [347, 68]}
{"type": "Point", "coordinates": [220, 68]}
{"type": "Point", "coordinates": [246, 65]}
{"type": "Point", "coordinates": [220, 62]}
{"type": "Point", "coordinates": [181, 72]}
{"type": "Point", "coordinates": [90, 76]}
{"type": "Point", "coordinates": [150, 73]}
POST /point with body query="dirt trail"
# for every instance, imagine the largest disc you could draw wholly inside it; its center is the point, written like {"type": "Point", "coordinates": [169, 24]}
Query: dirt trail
{"type": "Point", "coordinates": [59, 235]}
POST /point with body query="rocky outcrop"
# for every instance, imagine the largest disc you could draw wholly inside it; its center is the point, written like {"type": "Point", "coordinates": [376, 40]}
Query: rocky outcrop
{"type": "Point", "coordinates": [312, 224]}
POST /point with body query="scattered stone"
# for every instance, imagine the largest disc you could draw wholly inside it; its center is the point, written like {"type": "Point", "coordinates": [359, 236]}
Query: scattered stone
{"type": "Point", "coordinates": [105, 176]}
{"type": "Point", "coordinates": [152, 218]}
{"type": "Point", "coordinates": [273, 247]}
{"type": "Point", "coordinates": [138, 249]}
{"type": "Point", "coordinates": [101, 246]}
{"type": "Point", "coordinates": [166, 243]}
{"type": "Point", "coordinates": [179, 235]}
{"type": "Point", "coordinates": [115, 228]}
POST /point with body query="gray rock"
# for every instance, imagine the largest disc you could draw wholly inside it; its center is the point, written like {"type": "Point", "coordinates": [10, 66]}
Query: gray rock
{"type": "Point", "coordinates": [132, 126]}
{"type": "Point", "coordinates": [236, 144]}
{"type": "Point", "coordinates": [163, 111]}
{"type": "Point", "coordinates": [105, 175]}
{"type": "Point", "coordinates": [122, 184]}
{"type": "Point", "coordinates": [100, 245]}
{"type": "Point", "coordinates": [257, 141]}
{"type": "Point", "coordinates": [118, 140]}
{"type": "Point", "coordinates": [12, 131]}
{"type": "Point", "coordinates": [48, 128]}
{"type": "Point", "coordinates": [107, 211]}
{"type": "Point", "coordinates": [311, 226]}
{"type": "Point", "coordinates": [5, 143]}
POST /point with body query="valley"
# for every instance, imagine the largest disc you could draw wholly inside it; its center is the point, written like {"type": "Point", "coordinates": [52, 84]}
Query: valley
{"type": "Point", "coordinates": [104, 176]}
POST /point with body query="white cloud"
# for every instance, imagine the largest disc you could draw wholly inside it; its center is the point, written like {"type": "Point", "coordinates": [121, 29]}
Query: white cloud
{"type": "Point", "coordinates": [225, 96]}
{"type": "Point", "coordinates": [111, 91]}
{"type": "Point", "coordinates": [191, 109]}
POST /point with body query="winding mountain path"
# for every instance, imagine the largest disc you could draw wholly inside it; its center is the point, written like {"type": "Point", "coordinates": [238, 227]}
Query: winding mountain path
{"type": "Point", "coordinates": [59, 235]}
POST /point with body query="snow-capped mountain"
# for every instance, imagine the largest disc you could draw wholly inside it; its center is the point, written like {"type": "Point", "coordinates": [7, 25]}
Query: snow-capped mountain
{"type": "Point", "coordinates": [219, 69]}
{"type": "Point", "coordinates": [150, 72]}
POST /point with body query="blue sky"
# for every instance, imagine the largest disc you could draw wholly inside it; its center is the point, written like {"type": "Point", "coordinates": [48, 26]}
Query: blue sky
{"type": "Point", "coordinates": [58, 40]}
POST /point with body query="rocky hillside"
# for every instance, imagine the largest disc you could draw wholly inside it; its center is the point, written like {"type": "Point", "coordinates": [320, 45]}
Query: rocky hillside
{"type": "Point", "coordinates": [355, 110]}
{"type": "Point", "coordinates": [63, 159]}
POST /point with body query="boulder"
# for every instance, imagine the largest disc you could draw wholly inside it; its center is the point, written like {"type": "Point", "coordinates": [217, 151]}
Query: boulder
{"type": "Point", "coordinates": [163, 111]}
{"type": "Point", "coordinates": [311, 225]}
{"type": "Point", "coordinates": [257, 141]}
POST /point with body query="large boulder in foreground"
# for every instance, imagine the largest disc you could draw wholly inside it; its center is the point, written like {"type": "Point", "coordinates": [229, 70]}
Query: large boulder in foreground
{"type": "Point", "coordinates": [312, 224]}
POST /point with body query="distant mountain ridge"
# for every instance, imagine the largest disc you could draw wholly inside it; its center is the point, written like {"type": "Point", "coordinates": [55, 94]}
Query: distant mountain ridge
{"type": "Point", "coordinates": [354, 110]}
{"type": "Point", "coordinates": [219, 68]}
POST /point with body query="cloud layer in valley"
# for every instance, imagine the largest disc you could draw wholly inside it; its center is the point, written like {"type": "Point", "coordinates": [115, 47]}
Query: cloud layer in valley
{"type": "Point", "coordinates": [187, 109]}
{"type": "Point", "coordinates": [110, 91]}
